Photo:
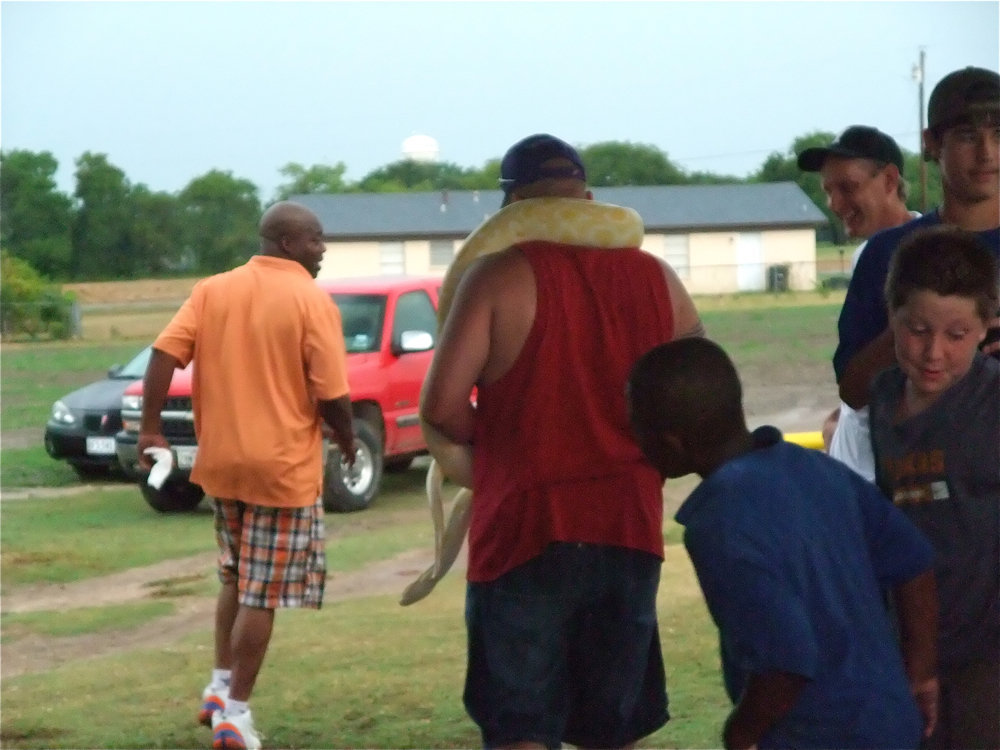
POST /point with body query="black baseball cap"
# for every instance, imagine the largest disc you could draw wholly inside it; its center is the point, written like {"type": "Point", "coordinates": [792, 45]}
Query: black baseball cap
{"type": "Point", "coordinates": [857, 142]}
{"type": "Point", "coordinates": [522, 164]}
{"type": "Point", "coordinates": [966, 95]}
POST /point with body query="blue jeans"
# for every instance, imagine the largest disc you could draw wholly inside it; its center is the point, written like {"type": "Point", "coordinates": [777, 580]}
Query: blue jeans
{"type": "Point", "coordinates": [566, 648]}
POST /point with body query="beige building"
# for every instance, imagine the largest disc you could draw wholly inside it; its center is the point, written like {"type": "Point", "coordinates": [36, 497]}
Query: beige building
{"type": "Point", "coordinates": [719, 238]}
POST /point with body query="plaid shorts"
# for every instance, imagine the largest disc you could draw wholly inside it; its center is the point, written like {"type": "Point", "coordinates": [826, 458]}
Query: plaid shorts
{"type": "Point", "coordinates": [276, 556]}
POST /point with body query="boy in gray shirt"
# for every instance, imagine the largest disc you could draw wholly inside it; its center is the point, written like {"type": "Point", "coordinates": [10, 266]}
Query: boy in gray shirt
{"type": "Point", "coordinates": [935, 422]}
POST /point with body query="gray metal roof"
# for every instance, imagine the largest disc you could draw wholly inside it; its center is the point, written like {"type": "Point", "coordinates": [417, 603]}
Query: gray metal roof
{"type": "Point", "coordinates": [455, 213]}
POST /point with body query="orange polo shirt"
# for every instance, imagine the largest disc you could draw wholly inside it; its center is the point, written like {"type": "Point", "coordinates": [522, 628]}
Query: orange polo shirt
{"type": "Point", "coordinates": [267, 343]}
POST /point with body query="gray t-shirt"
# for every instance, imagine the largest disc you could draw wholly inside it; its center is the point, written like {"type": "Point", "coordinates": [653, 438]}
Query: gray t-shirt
{"type": "Point", "coordinates": [942, 468]}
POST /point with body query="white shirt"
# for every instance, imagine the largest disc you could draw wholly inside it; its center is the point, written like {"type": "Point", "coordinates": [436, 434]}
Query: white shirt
{"type": "Point", "coordinates": [851, 442]}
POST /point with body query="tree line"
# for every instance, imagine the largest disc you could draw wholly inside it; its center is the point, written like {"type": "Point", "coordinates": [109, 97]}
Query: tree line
{"type": "Point", "coordinates": [110, 228]}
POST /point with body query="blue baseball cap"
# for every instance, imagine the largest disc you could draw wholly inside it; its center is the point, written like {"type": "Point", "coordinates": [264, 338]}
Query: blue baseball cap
{"type": "Point", "coordinates": [523, 162]}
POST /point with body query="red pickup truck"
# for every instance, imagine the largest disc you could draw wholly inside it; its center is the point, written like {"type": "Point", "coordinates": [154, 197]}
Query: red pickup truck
{"type": "Point", "coordinates": [390, 326]}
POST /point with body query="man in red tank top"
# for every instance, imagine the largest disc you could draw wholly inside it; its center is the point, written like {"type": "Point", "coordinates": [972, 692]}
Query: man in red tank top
{"type": "Point", "coordinates": [565, 540]}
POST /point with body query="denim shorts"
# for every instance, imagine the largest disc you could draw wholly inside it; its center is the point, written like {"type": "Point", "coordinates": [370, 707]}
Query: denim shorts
{"type": "Point", "coordinates": [566, 648]}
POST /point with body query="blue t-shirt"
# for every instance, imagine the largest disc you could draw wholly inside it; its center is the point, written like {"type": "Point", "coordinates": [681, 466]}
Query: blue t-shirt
{"type": "Point", "coordinates": [793, 551]}
{"type": "Point", "coordinates": [864, 316]}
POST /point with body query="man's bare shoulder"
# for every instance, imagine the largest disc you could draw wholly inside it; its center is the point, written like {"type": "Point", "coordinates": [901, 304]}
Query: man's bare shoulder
{"type": "Point", "coordinates": [504, 266]}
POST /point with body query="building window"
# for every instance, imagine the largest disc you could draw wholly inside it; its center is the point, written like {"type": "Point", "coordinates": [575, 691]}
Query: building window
{"type": "Point", "coordinates": [677, 254]}
{"type": "Point", "coordinates": [442, 253]}
{"type": "Point", "coordinates": [391, 258]}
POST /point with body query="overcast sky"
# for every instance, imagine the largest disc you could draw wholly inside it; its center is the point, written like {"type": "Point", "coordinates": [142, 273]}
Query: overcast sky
{"type": "Point", "coordinates": [171, 90]}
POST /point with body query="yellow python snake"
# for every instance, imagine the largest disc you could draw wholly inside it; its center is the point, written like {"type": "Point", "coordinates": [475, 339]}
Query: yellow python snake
{"type": "Point", "coordinates": [572, 221]}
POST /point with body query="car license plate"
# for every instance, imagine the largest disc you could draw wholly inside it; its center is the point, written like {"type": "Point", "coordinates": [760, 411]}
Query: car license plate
{"type": "Point", "coordinates": [185, 455]}
{"type": "Point", "coordinates": [101, 446]}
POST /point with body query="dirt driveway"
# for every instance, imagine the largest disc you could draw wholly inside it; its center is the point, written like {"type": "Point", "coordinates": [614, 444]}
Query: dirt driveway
{"type": "Point", "coordinates": [36, 653]}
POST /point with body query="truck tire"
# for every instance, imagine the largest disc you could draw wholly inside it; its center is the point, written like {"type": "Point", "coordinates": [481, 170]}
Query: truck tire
{"type": "Point", "coordinates": [175, 496]}
{"type": "Point", "coordinates": [348, 490]}
{"type": "Point", "coordinates": [398, 465]}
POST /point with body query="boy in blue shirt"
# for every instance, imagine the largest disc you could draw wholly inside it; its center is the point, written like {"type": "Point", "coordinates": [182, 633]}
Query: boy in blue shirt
{"type": "Point", "coordinates": [792, 550]}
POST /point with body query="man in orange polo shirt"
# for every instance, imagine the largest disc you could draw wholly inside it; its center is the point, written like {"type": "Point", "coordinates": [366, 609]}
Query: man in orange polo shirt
{"type": "Point", "coordinates": [269, 365]}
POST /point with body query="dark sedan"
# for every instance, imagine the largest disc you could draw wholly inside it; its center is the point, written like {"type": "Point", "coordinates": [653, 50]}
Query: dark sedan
{"type": "Point", "coordinates": [82, 426]}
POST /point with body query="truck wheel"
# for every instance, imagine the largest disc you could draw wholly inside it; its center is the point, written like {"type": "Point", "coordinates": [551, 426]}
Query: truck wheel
{"type": "Point", "coordinates": [398, 465]}
{"type": "Point", "coordinates": [175, 496]}
{"type": "Point", "coordinates": [347, 490]}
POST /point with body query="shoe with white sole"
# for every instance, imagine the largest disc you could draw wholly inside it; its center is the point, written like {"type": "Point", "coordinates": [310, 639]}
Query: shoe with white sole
{"type": "Point", "coordinates": [212, 699]}
{"type": "Point", "coordinates": [234, 732]}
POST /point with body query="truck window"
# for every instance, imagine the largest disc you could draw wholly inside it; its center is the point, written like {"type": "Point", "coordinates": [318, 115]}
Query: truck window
{"type": "Point", "coordinates": [414, 312]}
{"type": "Point", "coordinates": [361, 316]}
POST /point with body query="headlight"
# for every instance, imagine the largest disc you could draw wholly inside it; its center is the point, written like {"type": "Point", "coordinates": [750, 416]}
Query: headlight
{"type": "Point", "coordinates": [61, 413]}
{"type": "Point", "coordinates": [132, 403]}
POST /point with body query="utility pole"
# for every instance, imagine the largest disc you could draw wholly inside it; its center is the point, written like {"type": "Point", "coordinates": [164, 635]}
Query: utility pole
{"type": "Point", "coordinates": [918, 76]}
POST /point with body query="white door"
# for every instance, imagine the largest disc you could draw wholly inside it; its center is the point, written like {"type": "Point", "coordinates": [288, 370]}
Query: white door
{"type": "Point", "coordinates": [750, 275]}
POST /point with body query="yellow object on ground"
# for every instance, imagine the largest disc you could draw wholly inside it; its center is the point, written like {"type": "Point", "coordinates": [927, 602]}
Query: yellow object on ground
{"type": "Point", "coordinates": [806, 439]}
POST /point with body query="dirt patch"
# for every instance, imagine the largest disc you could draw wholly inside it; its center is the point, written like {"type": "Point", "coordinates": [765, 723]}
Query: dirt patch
{"type": "Point", "coordinates": [37, 653]}
{"type": "Point", "coordinates": [26, 437]}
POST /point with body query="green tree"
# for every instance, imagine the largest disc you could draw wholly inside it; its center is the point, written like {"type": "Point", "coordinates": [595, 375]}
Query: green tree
{"type": "Point", "coordinates": [219, 214]}
{"type": "Point", "coordinates": [319, 178]}
{"type": "Point", "coordinates": [411, 175]}
{"type": "Point", "coordinates": [155, 234]}
{"type": "Point", "coordinates": [778, 167]}
{"type": "Point", "coordinates": [102, 226]}
{"type": "Point", "coordinates": [913, 163]}
{"type": "Point", "coordinates": [36, 216]}
{"type": "Point", "coordinates": [710, 178]}
{"type": "Point", "coordinates": [615, 163]}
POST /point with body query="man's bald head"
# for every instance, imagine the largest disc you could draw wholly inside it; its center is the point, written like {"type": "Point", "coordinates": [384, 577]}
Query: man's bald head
{"type": "Point", "coordinates": [283, 218]}
{"type": "Point", "coordinates": [290, 230]}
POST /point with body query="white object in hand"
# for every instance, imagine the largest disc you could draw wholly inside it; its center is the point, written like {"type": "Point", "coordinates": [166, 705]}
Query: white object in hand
{"type": "Point", "coordinates": [163, 464]}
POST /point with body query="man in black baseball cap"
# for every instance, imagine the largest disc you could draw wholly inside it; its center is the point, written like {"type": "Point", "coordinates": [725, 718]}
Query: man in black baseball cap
{"type": "Point", "coordinates": [862, 174]}
{"type": "Point", "coordinates": [542, 157]}
{"type": "Point", "coordinates": [963, 138]}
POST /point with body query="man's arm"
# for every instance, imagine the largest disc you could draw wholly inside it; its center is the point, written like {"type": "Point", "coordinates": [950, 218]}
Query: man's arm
{"type": "Point", "coordinates": [461, 355]}
{"type": "Point", "coordinates": [877, 355]}
{"type": "Point", "coordinates": [917, 608]}
{"type": "Point", "coordinates": [768, 697]}
{"type": "Point", "coordinates": [337, 413]}
{"type": "Point", "coordinates": [687, 322]}
{"type": "Point", "coordinates": [155, 384]}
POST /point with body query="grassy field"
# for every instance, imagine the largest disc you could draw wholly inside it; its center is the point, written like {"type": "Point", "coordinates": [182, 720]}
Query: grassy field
{"type": "Point", "coordinates": [363, 672]}
{"type": "Point", "coordinates": [360, 673]}
{"type": "Point", "coordinates": [795, 328]}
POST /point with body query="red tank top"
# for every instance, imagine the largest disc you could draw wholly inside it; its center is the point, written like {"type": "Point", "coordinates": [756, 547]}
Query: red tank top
{"type": "Point", "coordinates": [554, 459]}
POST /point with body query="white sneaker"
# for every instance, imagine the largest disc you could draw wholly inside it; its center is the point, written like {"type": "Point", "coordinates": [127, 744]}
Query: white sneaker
{"type": "Point", "coordinates": [234, 732]}
{"type": "Point", "coordinates": [212, 699]}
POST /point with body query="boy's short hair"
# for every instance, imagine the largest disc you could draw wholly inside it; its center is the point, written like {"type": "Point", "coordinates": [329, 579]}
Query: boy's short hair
{"type": "Point", "coordinates": [948, 261]}
{"type": "Point", "coordinates": [689, 386]}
